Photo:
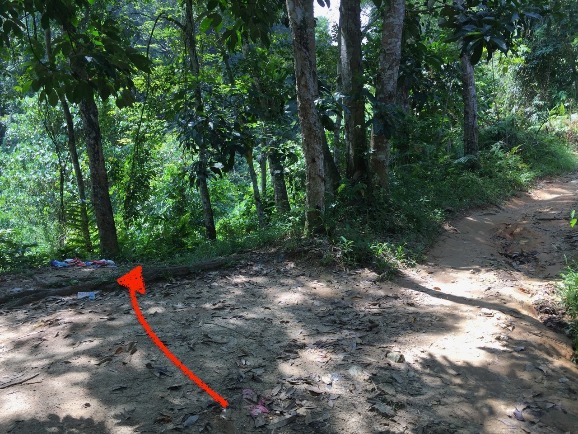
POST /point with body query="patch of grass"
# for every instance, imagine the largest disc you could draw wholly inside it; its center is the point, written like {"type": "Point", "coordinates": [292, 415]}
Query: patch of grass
{"type": "Point", "coordinates": [390, 231]}
{"type": "Point", "coordinates": [17, 256]}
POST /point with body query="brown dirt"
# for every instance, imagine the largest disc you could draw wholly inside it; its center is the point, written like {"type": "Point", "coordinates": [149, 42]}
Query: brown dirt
{"type": "Point", "coordinates": [455, 345]}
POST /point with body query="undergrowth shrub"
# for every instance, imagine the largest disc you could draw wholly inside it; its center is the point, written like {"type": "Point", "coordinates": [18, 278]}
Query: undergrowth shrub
{"type": "Point", "coordinates": [568, 291]}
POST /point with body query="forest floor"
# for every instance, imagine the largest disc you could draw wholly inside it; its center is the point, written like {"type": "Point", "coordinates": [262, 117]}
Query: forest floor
{"type": "Point", "coordinates": [454, 345]}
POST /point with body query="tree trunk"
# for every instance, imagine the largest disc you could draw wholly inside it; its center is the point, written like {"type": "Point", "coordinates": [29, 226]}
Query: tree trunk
{"type": "Point", "coordinates": [210, 230]}
{"type": "Point", "coordinates": [255, 184]}
{"type": "Point", "coordinates": [352, 87]}
{"type": "Point", "coordinates": [386, 88]}
{"type": "Point", "coordinates": [84, 222]}
{"type": "Point", "coordinates": [98, 176]}
{"type": "Point", "coordinates": [202, 176]}
{"type": "Point", "coordinates": [84, 226]}
{"type": "Point", "coordinates": [339, 115]}
{"type": "Point", "coordinates": [99, 179]}
{"type": "Point", "coordinates": [470, 106]}
{"type": "Point", "coordinates": [302, 23]}
{"type": "Point", "coordinates": [279, 185]}
{"type": "Point", "coordinates": [332, 177]}
{"type": "Point", "coordinates": [263, 169]}
{"type": "Point", "coordinates": [191, 44]}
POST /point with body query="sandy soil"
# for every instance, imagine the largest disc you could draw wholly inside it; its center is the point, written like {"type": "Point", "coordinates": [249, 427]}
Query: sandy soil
{"type": "Point", "coordinates": [455, 345]}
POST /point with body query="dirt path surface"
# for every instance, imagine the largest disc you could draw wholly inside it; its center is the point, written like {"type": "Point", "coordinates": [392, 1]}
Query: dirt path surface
{"type": "Point", "coordinates": [452, 346]}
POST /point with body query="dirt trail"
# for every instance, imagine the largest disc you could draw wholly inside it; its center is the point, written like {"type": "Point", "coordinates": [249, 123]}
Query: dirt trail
{"type": "Point", "coordinates": [453, 346]}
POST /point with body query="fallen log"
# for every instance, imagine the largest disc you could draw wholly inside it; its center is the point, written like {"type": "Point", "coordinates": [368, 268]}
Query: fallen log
{"type": "Point", "coordinates": [109, 283]}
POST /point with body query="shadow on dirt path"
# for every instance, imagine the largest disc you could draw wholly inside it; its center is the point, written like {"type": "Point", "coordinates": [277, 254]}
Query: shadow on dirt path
{"type": "Point", "coordinates": [453, 346]}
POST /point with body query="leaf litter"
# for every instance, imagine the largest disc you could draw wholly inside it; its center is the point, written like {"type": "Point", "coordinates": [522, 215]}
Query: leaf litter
{"type": "Point", "coordinates": [297, 348]}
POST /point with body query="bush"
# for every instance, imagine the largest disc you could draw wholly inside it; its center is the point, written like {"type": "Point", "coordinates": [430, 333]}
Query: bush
{"type": "Point", "coordinates": [568, 291]}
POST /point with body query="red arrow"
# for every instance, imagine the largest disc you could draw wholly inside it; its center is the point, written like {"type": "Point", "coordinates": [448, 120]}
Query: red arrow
{"type": "Point", "coordinates": [134, 282]}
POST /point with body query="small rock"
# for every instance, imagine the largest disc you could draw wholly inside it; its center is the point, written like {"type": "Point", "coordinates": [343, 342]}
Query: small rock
{"type": "Point", "coordinates": [487, 312]}
{"type": "Point", "coordinates": [189, 421]}
{"type": "Point", "coordinates": [395, 357]}
{"type": "Point", "coordinates": [327, 378]}
{"type": "Point", "coordinates": [358, 373]}
{"type": "Point", "coordinates": [384, 409]}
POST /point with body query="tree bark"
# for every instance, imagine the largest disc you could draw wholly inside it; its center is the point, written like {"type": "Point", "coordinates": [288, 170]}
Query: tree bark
{"type": "Point", "coordinates": [255, 184]}
{"type": "Point", "coordinates": [339, 116]}
{"type": "Point", "coordinates": [98, 176]}
{"type": "Point", "coordinates": [84, 222]}
{"type": "Point", "coordinates": [332, 176]}
{"type": "Point", "coordinates": [386, 89]}
{"type": "Point", "coordinates": [263, 169]}
{"type": "Point", "coordinates": [352, 86]}
{"type": "Point", "coordinates": [470, 106]}
{"type": "Point", "coordinates": [84, 226]}
{"type": "Point", "coordinates": [99, 179]}
{"type": "Point", "coordinates": [190, 42]}
{"type": "Point", "coordinates": [279, 185]}
{"type": "Point", "coordinates": [209, 218]}
{"type": "Point", "coordinates": [302, 24]}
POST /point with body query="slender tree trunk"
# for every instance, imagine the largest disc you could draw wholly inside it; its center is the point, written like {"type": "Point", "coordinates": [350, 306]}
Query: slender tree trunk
{"type": "Point", "coordinates": [255, 184]}
{"type": "Point", "coordinates": [98, 176]}
{"type": "Point", "coordinates": [202, 173]}
{"type": "Point", "coordinates": [339, 115]}
{"type": "Point", "coordinates": [352, 84]}
{"type": "Point", "coordinates": [210, 230]}
{"type": "Point", "coordinates": [62, 208]}
{"type": "Point", "coordinates": [386, 88]}
{"type": "Point", "coordinates": [302, 26]}
{"type": "Point", "coordinates": [191, 44]}
{"type": "Point", "coordinates": [332, 177]}
{"type": "Point", "coordinates": [100, 195]}
{"type": "Point", "coordinates": [84, 222]}
{"type": "Point", "coordinates": [263, 169]}
{"type": "Point", "coordinates": [279, 185]}
{"type": "Point", "coordinates": [84, 225]}
{"type": "Point", "coordinates": [470, 106]}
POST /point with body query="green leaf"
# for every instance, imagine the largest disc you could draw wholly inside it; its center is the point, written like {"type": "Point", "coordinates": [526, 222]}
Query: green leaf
{"type": "Point", "coordinates": [52, 97]}
{"type": "Point", "coordinates": [125, 99]}
{"type": "Point", "coordinates": [477, 50]}
{"type": "Point", "coordinates": [216, 19]}
{"type": "Point", "coordinates": [502, 46]}
{"type": "Point", "coordinates": [141, 62]}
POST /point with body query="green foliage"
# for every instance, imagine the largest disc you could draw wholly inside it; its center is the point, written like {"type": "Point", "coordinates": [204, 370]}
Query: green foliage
{"type": "Point", "coordinates": [16, 255]}
{"type": "Point", "coordinates": [392, 230]}
{"type": "Point", "coordinates": [154, 134]}
{"type": "Point", "coordinates": [487, 25]}
{"type": "Point", "coordinates": [568, 291]}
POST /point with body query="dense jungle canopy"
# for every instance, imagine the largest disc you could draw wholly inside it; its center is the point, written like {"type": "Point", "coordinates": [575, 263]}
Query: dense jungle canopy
{"type": "Point", "coordinates": [149, 129]}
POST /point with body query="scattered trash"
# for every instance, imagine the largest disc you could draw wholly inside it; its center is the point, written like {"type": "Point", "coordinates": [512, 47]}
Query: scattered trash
{"type": "Point", "coordinates": [259, 408]}
{"type": "Point", "coordinates": [518, 415]}
{"type": "Point", "coordinates": [79, 263]}
{"type": "Point", "coordinates": [190, 420]}
{"type": "Point", "coordinates": [90, 295]}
